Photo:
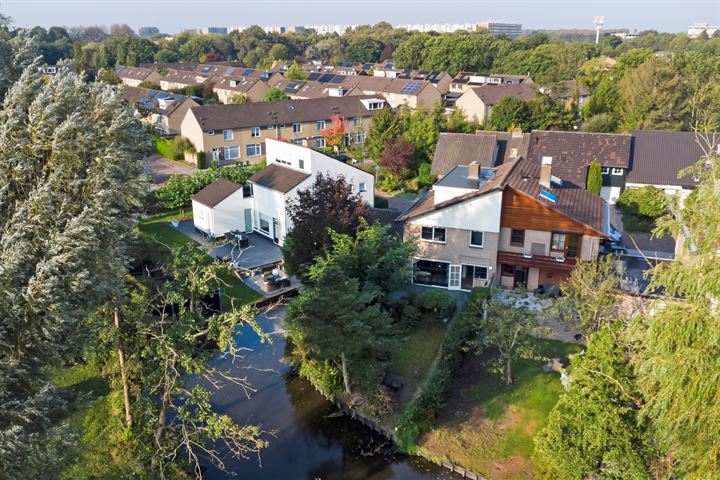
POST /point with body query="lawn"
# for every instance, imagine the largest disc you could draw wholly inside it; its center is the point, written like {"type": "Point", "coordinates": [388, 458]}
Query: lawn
{"type": "Point", "coordinates": [487, 426]}
{"type": "Point", "coordinates": [158, 226]}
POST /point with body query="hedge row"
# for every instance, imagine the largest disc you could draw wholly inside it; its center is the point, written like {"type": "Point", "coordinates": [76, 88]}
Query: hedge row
{"type": "Point", "coordinates": [420, 414]}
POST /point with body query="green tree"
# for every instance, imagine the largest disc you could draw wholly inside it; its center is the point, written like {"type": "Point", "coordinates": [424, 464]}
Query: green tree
{"type": "Point", "coordinates": [275, 94]}
{"type": "Point", "coordinates": [70, 165]}
{"type": "Point", "coordinates": [195, 49]}
{"type": "Point", "coordinates": [363, 50]}
{"type": "Point", "coordinates": [647, 201]}
{"type": "Point", "coordinates": [239, 98]}
{"type": "Point", "coordinates": [588, 294]}
{"type": "Point", "coordinates": [419, 127]}
{"type": "Point", "coordinates": [600, 123]}
{"type": "Point", "coordinates": [595, 430]}
{"type": "Point", "coordinates": [385, 125]}
{"type": "Point", "coordinates": [604, 99]}
{"type": "Point", "coordinates": [594, 178]}
{"type": "Point", "coordinates": [295, 72]}
{"type": "Point", "coordinates": [279, 52]}
{"type": "Point", "coordinates": [511, 112]}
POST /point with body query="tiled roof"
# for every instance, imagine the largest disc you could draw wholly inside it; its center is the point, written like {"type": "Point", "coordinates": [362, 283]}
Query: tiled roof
{"type": "Point", "coordinates": [491, 94]}
{"type": "Point", "coordinates": [236, 84]}
{"type": "Point", "coordinates": [659, 156]}
{"type": "Point", "coordinates": [278, 178]}
{"type": "Point", "coordinates": [135, 73]}
{"type": "Point", "coordinates": [218, 117]}
{"type": "Point", "coordinates": [148, 99]}
{"type": "Point", "coordinates": [462, 149]}
{"type": "Point", "coordinates": [511, 146]}
{"type": "Point", "coordinates": [572, 152]}
{"type": "Point", "coordinates": [216, 192]}
{"type": "Point", "coordinates": [575, 203]}
{"type": "Point", "coordinates": [387, 217]}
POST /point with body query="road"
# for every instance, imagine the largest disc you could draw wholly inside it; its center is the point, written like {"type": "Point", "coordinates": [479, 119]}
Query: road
{"type": "Point", "coordinates": [161, 169]}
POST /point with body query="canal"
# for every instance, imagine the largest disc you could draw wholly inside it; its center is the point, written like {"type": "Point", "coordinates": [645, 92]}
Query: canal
{"type": "Point", "coordinates": [311, 441]}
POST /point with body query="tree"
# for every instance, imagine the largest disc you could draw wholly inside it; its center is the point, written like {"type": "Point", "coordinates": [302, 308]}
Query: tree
{"type": "Point", "coordinates": [418, 126]}
{"type": "Point", "coordinates": [676, 337]}
{"type": "Point", "coordinates": [329, 203]}
{"type": "Point", "coordinates": [239, 98]}
{"type": "Point", "coordinates": [397, 156]}
{"type": "Point", "coordinates": [295, 72]}
{"type": "Point", "coordinates": [458, 122]}
{"type": "Point", "coordinates": [121, 30]}
{"type": "Point", "coordinates": [363, 50]}
{"type": "Point", "coordinates": [279, 52]}
{"type": "Point", "coordinates": [384, 125]}
{"type": "Point", "coordinates": [511, 112]}
{"type": "Point", "coordinates": [600, 123]}
{"type": "Point", "coordinates": [594, 178]}
{"type": "Point", "coordinates": [647, 201]}
{"type": "Point", "coordinates": [588, 294]}
{"type": "Point", "coordinates": [195, 49]}
{"type": "Point", "coordinates": [275, 94]}
{"type": "Point", "coordinates": [334, 134]}
{"type": "Point", "coordinates": [505, 324]}
{"type": "Point", "coordinates": [65, 224]}
{"type": "Point", "coordinates": [595, 430]}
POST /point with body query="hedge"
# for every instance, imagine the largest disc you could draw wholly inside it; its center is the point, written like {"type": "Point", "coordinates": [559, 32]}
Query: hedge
{"type": "Point", "coordinates": [420, 414]}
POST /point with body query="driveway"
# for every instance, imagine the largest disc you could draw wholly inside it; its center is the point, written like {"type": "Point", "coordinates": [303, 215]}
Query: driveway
{"type": "Point", "coordinates": [161, 169]}
{"type": "Point", "coordinates": [399, 202]}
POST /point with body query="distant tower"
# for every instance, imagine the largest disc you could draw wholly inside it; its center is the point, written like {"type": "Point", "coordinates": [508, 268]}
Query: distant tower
{"type": "Point", "coordinates": [599, 22]}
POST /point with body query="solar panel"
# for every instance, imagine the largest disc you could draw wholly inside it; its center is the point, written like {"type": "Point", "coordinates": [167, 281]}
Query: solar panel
{"type": "Point", "coordinates": [205, 69]}
{"type": "Point", "coordinates": [548, 196]}
{"type": "Point", "coordinates": [314, 76]}
{"type": "Point", "coordinates": [367, 66]}
{"type": "Point", "coordinates": [388, 65]}
{"type": "Point", "coordinates": [229, 71]}
{"type": "Point", "coordinates": [410, 87]}
{"type": "Point", "coordinates": [248, 72]}
{"type": "Point", "coordinates": [337, 79]}
{"type": "Point", "coordinates": [325, 77]}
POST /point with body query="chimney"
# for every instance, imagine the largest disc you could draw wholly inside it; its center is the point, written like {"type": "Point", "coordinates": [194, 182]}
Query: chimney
{"type": "Point", "coordinates": [517, 133]}
{"type": "Point", "coordinates": [545, 171]}
{"type": "Point", "coordinates": [474, 170]}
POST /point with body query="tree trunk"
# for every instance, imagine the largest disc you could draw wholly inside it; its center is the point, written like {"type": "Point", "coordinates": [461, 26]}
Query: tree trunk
{"type": "Point", "coordinates": [123, 372]}
{"type": "Point", "coordinates": [508, 370]}
{"type": "Point", "coordinates": [346, 379]}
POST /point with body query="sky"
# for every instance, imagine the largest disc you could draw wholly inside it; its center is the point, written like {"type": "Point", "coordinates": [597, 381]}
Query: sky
{"type": "Point", "coordinates": [175, 15]}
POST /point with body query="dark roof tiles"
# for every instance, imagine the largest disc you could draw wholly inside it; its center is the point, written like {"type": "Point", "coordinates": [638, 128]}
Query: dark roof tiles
{"type": "Point", "coordinates": [658, 157]}
{"type": "Point", "coordinates": [216, 192]}
{"type": "Point", "coordinates": [280, 179]}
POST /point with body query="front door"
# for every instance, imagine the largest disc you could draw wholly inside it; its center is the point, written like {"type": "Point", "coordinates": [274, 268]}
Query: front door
{"type": "Point", "coordinates": [248, 220]}
{"type": "Point", "coordinates": [521, 276]}
{"type": "Point", "coordinates": [276, 230]}
{"type": "Point", "coordinates": [454, 277]}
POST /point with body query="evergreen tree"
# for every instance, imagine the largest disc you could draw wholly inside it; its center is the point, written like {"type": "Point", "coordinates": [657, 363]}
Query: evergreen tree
{"type": "Point", "coordinates": [385, 125]}
{"type": "Point", "coordinates": [594, 178]}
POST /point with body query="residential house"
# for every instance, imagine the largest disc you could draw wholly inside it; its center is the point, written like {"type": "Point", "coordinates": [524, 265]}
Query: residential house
{"type": "Point", "coordinates": [569, 92]}
{"type": "Point", "coordinates": [397, 91]}
{"type": "Point", "coordinates": [290, 168]}
{"type": "Point", "coordinates": [659, 157]}
{"type": "Point", "coordinates": [306, 89]}
{"type": "Point", "coordinates": [217, 208]}
{"type": "Point", "coordinates": [134, 76]}
{"type": "Point", "coordinates": [488, 149]}
{"type": "Point", "coordinates": [477, 102]}
{"type": "Point", "coordinates": [237, 133]}
{"type": "Point", "coordinates": [464, 81]}
{"type": "Point", "coordinates": [162, 110]}
{"type": "Point", "coordinates": [252, 88]}
{"type": "Point", "coordinates": [438, 79]}
{"type": "Point", "coordinates": [179, 79]}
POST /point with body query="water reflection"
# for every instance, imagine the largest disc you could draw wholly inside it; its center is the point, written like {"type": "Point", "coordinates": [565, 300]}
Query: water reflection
{"type": "Point", "coordinates": [310, 442]}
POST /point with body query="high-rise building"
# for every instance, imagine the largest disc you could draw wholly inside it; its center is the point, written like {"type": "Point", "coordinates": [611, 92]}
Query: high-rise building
{"type": "Point", "coordinates": [696, 29]}
{"type": "Point", "coordinates": [510, 30]}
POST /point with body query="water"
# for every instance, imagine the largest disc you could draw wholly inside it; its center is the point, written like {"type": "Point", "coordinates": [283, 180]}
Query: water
{"type": "Point", "coordinates": [308, 443]}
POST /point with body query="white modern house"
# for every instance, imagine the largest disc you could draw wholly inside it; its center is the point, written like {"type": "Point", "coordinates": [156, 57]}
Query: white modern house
{"type": "Point", "coordinates": [261, 205]}
{"type": "Point", "coordinates": [217, 207]}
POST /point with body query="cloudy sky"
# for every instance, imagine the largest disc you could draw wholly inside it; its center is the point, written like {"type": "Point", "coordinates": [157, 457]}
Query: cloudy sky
{"type": "Point", "coordinates": [174, 15]}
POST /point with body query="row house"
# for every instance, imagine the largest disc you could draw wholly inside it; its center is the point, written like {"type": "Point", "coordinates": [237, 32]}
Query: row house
{"type": "Point", "coordinates": [230, 134]}
{"type": "Point", "coordinates": [251, 88]}
{"type": "Point", "coordinates": [464, 81]}
{"type": "Point", "coordinates": [134, 76]}
{"type": "Point", "coordinates": [163, 111]}
{"type": "Point", "coordinates": [306, 89]}
{"type": "Point", "coordinates": [477, 102]}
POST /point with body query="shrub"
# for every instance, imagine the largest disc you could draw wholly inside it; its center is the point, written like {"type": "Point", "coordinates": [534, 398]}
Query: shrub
{"type": "Point", "coordinates": [201, 163]}
{"type": "Point", "coordinates": [410, 315]}
{"type": "Point", "coordinates": [437, 301]}
{"type": "Point", "coordinates": [173, 149]}
{"type": "Point", "coordinates": [425, 178]}
{"type": "Point", "coordinates": [326, 376]}
{"type": "Point", "coordinates": [647, 201]}
{"type": "Point", "coordinates": [164, 147]}
{"type": "Point", "coordinates": [177, 191]}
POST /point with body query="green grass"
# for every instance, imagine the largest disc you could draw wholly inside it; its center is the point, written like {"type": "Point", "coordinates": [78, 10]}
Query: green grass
{"type": "Point", "coordinates": [158, 227]}
{"type": "Point", "coordinates": [82, 379]}
{"type": "Point", "coordinates": [489, 428]}
{"type": "Point", "coordinates": [418, 350]}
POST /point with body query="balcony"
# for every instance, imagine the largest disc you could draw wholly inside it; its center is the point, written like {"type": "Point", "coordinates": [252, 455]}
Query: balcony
{"type": "Point", "coordinates": [535, 261]}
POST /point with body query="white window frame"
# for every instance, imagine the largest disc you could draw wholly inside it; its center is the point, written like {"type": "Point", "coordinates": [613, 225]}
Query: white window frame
{"type": "Point", "coordinates": [211, 133]}
{"type": "Point", "coordinates": [254, 132]}
{"type": "Point", "coordinates": [433, 234]}
{"type": "Point", "coordinates": [227, 137]}
{"type": "Point", "coordinates": [617, 171]}
{"type": "Point", "coordinates": [470, 242]}
{"type": "Point", "coordinates": [297, 127]}
{"type": "Point", "coordinates": [357, 121]}
{"type": "Point", "coordinates": [605, 170]}
{"type": "Point", "coordinates": [320, 142]}
{"type": "Point", "coordinates": [259, 149]}
{"type": "Point", "coordinates": [363, 188]}
{"type": "Point", "coordinates": [318, 125]}
{"type": "Point", "coordinates": [225, 154]}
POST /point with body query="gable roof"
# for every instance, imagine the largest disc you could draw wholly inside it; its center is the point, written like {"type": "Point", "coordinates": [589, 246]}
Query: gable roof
{"type": "Point", "coordinates": [575, 203]}
{"type": "Point", "coordinates": [462, 149]}
{"type": "Point", "coordinates": [218, 117]}
{"type": "Point", "coordinates": [216, 192]}
{"type": "Point", "coordinates": [659, 156]}
{"type": "Point", "coordinates": [491, 94]}
{"type": "Point", "coordinates": [388, 217]}
{"type": "Point", "coordinates": [148, 99]}
{"type": "Point", "coordinates": [278, 178]}
{"type": "Point", "coordinates": [242, 84]}
{"type": "Point", "coordinates": [572, 152]}
{"type": "Point", "coordinates": [135, 73]}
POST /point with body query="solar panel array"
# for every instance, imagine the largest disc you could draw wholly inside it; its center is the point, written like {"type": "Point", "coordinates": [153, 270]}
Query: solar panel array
{"type": "Point", "coordinates": [410, 88]}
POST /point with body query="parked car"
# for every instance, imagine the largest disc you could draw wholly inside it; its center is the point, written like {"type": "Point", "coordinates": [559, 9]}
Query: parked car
{"type": "Point", "coordinates": [615, 235]}
{"type": "Point", "coordinates": [612, 248]}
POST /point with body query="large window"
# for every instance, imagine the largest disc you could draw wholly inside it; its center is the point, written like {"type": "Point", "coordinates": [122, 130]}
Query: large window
{"type": "Point", "coordinates": [567, 243]}
{"type": "Point", "coordinates": [255, 132]}
{"type": "Point", "coordinates": [428, 272]}
{"type": "Point", "coordinates": [357, 121]}
{"type": "Point", "coordinates": [253, 150]}
{"type": "Point", "coordinates": [477, 239]}
{"type": "Point", "coordinates": [297, 128]}
{"type": "Point", "coordinates": [357, 137]}
{"type": "Point", "coordinates": [231, 153]}
{"type": "Point", "coordinates": [517, 237]}
{"type": "Point", "coordinates": [433, 234]}
{"type": "Point", "coordinates": [320, 142]}
{"type": "Point", "coordinates": [227, 135]}
{"type": "Point", "coordinates": [264, 223]}
{"type": "Point", "coordinates": [320, 125]}
{"type": "Point", "coordinates": [473, 276]}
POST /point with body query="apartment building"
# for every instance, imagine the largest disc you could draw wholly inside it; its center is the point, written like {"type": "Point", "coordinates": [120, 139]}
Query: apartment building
{"type": "Point", "coordinates": [236, 133]}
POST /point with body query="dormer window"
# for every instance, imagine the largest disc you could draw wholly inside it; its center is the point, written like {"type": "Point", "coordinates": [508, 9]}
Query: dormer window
{"type": "Point", "coordinates": [617, 171]}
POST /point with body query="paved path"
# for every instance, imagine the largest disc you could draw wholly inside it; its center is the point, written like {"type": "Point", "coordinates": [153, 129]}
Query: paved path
{"type": "Point", "coordinates": [161, 169]}
{"type": "Point", "coordinates": [395, 202]}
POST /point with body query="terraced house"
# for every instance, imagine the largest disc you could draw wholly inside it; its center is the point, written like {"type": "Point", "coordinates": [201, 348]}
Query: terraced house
{"type": "Point", "coordinates": [236, 133]}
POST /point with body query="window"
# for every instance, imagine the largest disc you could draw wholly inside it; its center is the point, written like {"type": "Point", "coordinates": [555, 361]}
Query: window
{"type": "Point", "coordinates": [508, 269]}
{"type": "Point", "coordinates": [566, 243]}
{"type": "Point", "coordinates": [255, 132]}
{"type": "Point", "coordinates": [617, 171]}
{"type": "Point", "coordinates": [247, 190]}
{"type": "Point", "coordinates": [320, 125]}
{"type": "Point", "coordinates": [427, 272]}
{"type": "Point", "coordinates": [271, 127]}
{"type": "Point", "coordinates": [433, 234]}
{"type": "Point", "coordinates": [361, 187]}
{"type": "Point", "coordinates": [358, 137]}
{"type": "Point", "coordinates": [211, 133]}
{"type": "Point", "coordinates": [375, 105]}
{"type": "Point", "coordinates": [606, 170]}
{"type": "Point", "coordinates": [298, 141]}
{"type": "Point", "coordinates": [297, 128]}
{"type": "Point", "coordinates": [264, 224]}
{"type": "Point", "coordinates": [476, 238]}
{"type": "Point", "coordinates": [513, 152]}
{"type": "Point", "coordinates": [231, 153]}
{"type": "Point", "coordinates": [301, 164]}
{"type": "Point", "coordinates": [227, 135]}
{"type": "Point", "coordinates": [280, 160]}
{"type": "Point", "coordinates": [357, 121]}
{"type": "Point", "coordinates": [282, 125]}
{"type": "Point", "coordinates": [320, 142]}
{"type": "Point", "coordinates": [517, 237]}
{"type": "Point", "coordinates": [253, 150]}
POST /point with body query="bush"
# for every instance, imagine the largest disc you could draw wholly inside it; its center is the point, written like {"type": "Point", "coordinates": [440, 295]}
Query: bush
{"type": "Point", "coordinates": [177, 191]}
{"type": "Point", "coordinates": [437, 301]}
{"type": "Point", "coordinates": [425, 178]}
{"type": "Point", "coordinates": [164, 147]}
{"type": "Point", "coordinates": [324, 375]}
{"type": "Point", "coordinates": [410, 315]}
{"type": "Point", "coordinates": [647, 201]}
{"type": "Point", "coordinates": [173, 149]}
{"type": "Point", "coordinates": [201, 163]}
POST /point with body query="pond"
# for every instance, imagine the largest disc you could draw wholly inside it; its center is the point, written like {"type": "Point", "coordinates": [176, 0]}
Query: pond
{"type": "Point", "coordinates": [311, 441]}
